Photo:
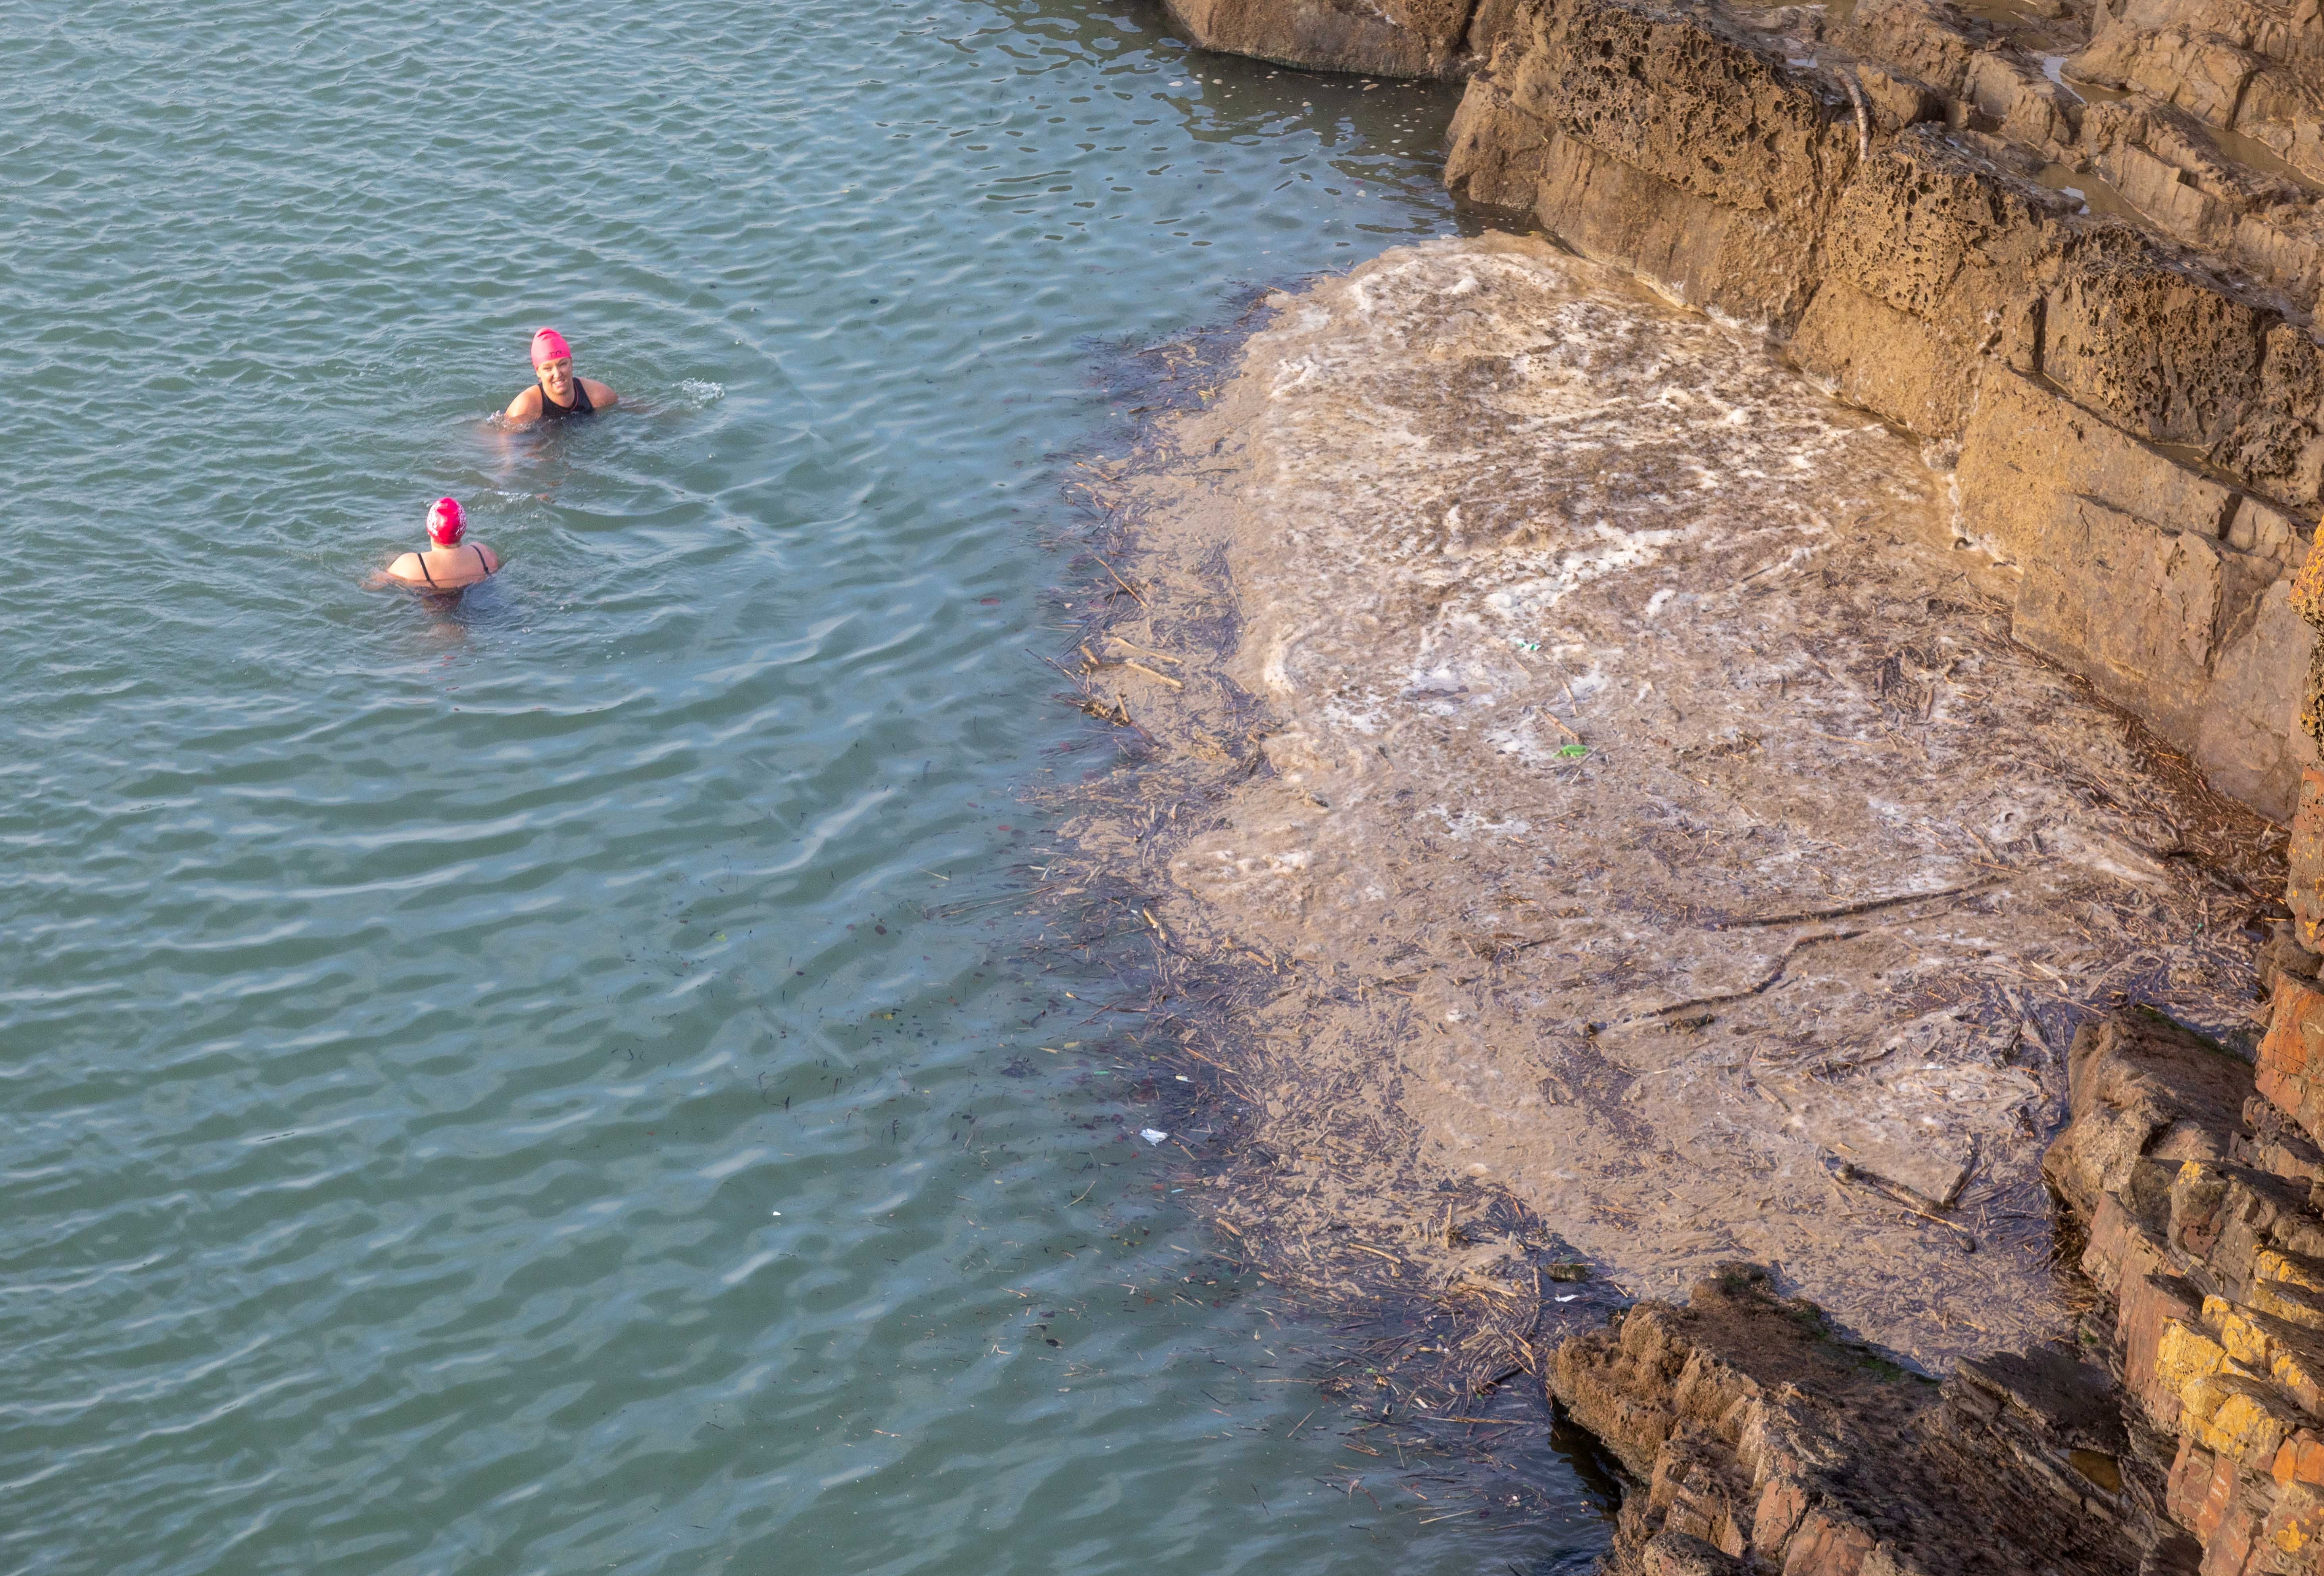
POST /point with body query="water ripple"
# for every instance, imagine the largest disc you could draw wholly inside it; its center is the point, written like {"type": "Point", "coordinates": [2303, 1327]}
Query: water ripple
{"type": "Point", "coordinates": [484, 1091]}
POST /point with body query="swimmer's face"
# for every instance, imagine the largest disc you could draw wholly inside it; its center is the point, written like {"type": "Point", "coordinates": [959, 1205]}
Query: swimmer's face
{"type": "Point", "coordinates": [557, 377]}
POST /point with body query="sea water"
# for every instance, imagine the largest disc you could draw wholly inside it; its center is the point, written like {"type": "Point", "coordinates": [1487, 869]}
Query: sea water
{"type": "Point", "coordinates": [520, 1086]}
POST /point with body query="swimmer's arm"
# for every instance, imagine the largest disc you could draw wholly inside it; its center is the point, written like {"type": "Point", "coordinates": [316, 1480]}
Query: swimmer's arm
{"type": "Point", "coordinates": [601, 396]}
{"type": "Point", "coordinates": [492, 559]}
{"type": "Point", "coordinates": [525, 408]}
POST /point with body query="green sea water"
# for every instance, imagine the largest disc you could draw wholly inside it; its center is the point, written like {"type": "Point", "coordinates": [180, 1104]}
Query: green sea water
{"type": "Point", "coordinates": [496, 1088]}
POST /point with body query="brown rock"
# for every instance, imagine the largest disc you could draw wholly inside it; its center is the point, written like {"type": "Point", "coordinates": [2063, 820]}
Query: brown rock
{"type": "Point", "coordinates": [2277, 1144]}
{"type": "Point", "coordinates": [2300, 1460]}
{"type": "Point", "coordinates": [2172, 357]}
{"type": "Point", "coordinates": [2289, 1537]}
{"type": "Point", "coordinates": [2189, 1484]}
{"type": "Point", "coordinates": [2141, 1087]}
{"type": "Point", "coordinates": [1743, 1406]}
{"type": "Point", "coordinates": [2024, 447]}
{"type": "Point", "coordinates": [1676, 1554]}
{"type": "Point", "coordinates": [2291, 1055]}
{"type": "Point", "coordinates": [1384, 38]}
{"type": "Point", "coordinates": [1676, 147]}
{"type": "Point", "coordinates": [2128, 603]}
{"type": "Point", "coordinates": [1829, 1545]}
{"type": "Point", "coordinates": [2249, 741]}
{"type": "Point", "coordinates": [2152, 1307]}
{"type": "Point", "coordinates": [1852, 341]}
{"type": "Point", "coordinates": [2305, 890]}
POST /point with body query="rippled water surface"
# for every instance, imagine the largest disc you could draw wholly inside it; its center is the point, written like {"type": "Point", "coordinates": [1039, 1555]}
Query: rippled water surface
{"type": "Point", "coordinates": [484, 1088]}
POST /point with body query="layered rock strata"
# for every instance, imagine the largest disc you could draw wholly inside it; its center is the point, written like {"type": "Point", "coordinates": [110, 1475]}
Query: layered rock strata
{"type": "Point", "coordinates": [2189, 1433]}
{"type": "Point", "coordinates": [2077, 252]}
{"type": "Point", "coordinates": [1761, 1440]}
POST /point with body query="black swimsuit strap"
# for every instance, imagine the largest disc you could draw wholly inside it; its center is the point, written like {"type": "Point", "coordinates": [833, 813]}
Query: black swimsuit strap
{"type": "Point", "coordinates": [423, 568]}
{"type": "Point", "coordinates": [481, 564]}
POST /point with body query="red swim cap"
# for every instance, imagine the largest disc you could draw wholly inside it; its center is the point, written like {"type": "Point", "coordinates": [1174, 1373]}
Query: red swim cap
{"type": "Point", "coordinates": [444, 522]}
{"type": "Point", "coordinates": [549, 344]}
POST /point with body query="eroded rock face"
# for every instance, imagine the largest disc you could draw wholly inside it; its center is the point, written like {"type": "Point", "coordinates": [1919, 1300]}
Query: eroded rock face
{"type": "Point", "coordinates": [2196, 1175]}
{"type": "Point", "coordinates": [2141, 1088]}
{"type": "Point", "coordinates": [2137, 434]}
{"type": "Point", "coordinates": [2189, 1435]}
{"type": "Point", "coordinates": [1379, 38]}
{"type": "Point", "coordinates": [1763, 1441]}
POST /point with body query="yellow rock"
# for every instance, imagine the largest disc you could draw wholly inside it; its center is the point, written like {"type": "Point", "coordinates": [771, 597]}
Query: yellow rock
{"type": "Point", "coordinates": [2185, 1354]}
{"type": "Point", "coordinates": [2242, 1339]}
{"type": "Point", "coordinates": [2239, 1417]}
{"type": "Point", "coordinates": [2258, 1344]}
{"type": "Point", "coordinates": [2294, 1523]}
{"type": "Point", "coordinates": [2293, 1269]}
{"type": "Point", "coordinates": [2289, 1301]}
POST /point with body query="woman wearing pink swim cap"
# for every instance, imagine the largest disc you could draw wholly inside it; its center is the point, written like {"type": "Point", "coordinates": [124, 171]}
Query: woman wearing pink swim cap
{"type": "Point", "coordinates": [558, 394]}
{"type": "Point", "coordinates": [448, 564]}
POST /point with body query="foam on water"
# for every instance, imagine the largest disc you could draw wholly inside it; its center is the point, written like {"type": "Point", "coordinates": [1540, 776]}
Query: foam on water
{"type": "Point", "coordinates": [1655, 788]}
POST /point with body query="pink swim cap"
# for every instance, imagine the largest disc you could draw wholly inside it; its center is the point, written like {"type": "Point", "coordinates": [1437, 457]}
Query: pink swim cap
{"type": "Point", "coordinates": [444, 522]}
{"type": "Point", "coordinates": [549, 344]}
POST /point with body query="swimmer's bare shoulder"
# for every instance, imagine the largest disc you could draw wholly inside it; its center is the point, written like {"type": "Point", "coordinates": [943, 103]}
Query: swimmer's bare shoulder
{"type": "Point", "coordinates": [406, 571]}
{"type": "Point", "coordinates": [525, 408]}
{"type": "Point", "coordinates": [601, 396]}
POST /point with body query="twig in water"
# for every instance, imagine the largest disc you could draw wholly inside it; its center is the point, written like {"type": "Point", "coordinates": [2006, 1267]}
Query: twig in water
{"type": "Point", "coordinates": [1847, 909]}
{"type": "Point", "coordinates": [1118, 580]}
{"type": "Point", "coordinates": [1145, 650]}
{"type": "Point", "coordinates": [1802, 945]}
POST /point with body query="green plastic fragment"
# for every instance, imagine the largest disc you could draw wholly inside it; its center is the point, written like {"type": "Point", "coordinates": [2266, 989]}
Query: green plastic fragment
{"type": "Point", "coordinates": [1574, 751]}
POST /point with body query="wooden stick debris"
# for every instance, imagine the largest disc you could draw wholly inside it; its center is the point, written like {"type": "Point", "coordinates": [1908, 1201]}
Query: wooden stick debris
{"type": "Point", "coordinates": [1118, 580]}
{"type": "Point", "coordinates": [1145, 650]}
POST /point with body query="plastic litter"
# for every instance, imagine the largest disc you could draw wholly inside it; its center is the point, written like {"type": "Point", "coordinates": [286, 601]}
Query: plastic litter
{"type": "Point", "coordinates": [1152, 1135]}
{"type": "Point", "coordinates": [1574, 751]}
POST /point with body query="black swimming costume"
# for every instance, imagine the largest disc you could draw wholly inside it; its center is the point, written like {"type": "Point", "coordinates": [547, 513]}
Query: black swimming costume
{"type": "Point", "coordinates": [472, 547]}
{"type": "Point", "coordinates": [550, 410]}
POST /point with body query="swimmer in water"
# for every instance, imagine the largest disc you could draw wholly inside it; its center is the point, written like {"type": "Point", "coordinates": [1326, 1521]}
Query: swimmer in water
{"type": "Point", "coordinates": [558, 394]}
{"type": "Point", "coordinates": [449, 564]}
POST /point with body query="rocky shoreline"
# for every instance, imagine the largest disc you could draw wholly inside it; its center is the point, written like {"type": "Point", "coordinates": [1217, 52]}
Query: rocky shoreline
{"type": "Point", "coordinates": [2074, 252]}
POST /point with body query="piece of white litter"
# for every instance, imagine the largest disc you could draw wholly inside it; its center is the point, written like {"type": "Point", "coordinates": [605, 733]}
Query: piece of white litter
{"type": "Point", "coordinates": [1184, 1079]}
{"type": "Point", "coordinates": [1152, 1135]}
{"type": "Point", "coordinates": [774, 1212]}
{"type": "Point", "coordinates": [1569, 1299]}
